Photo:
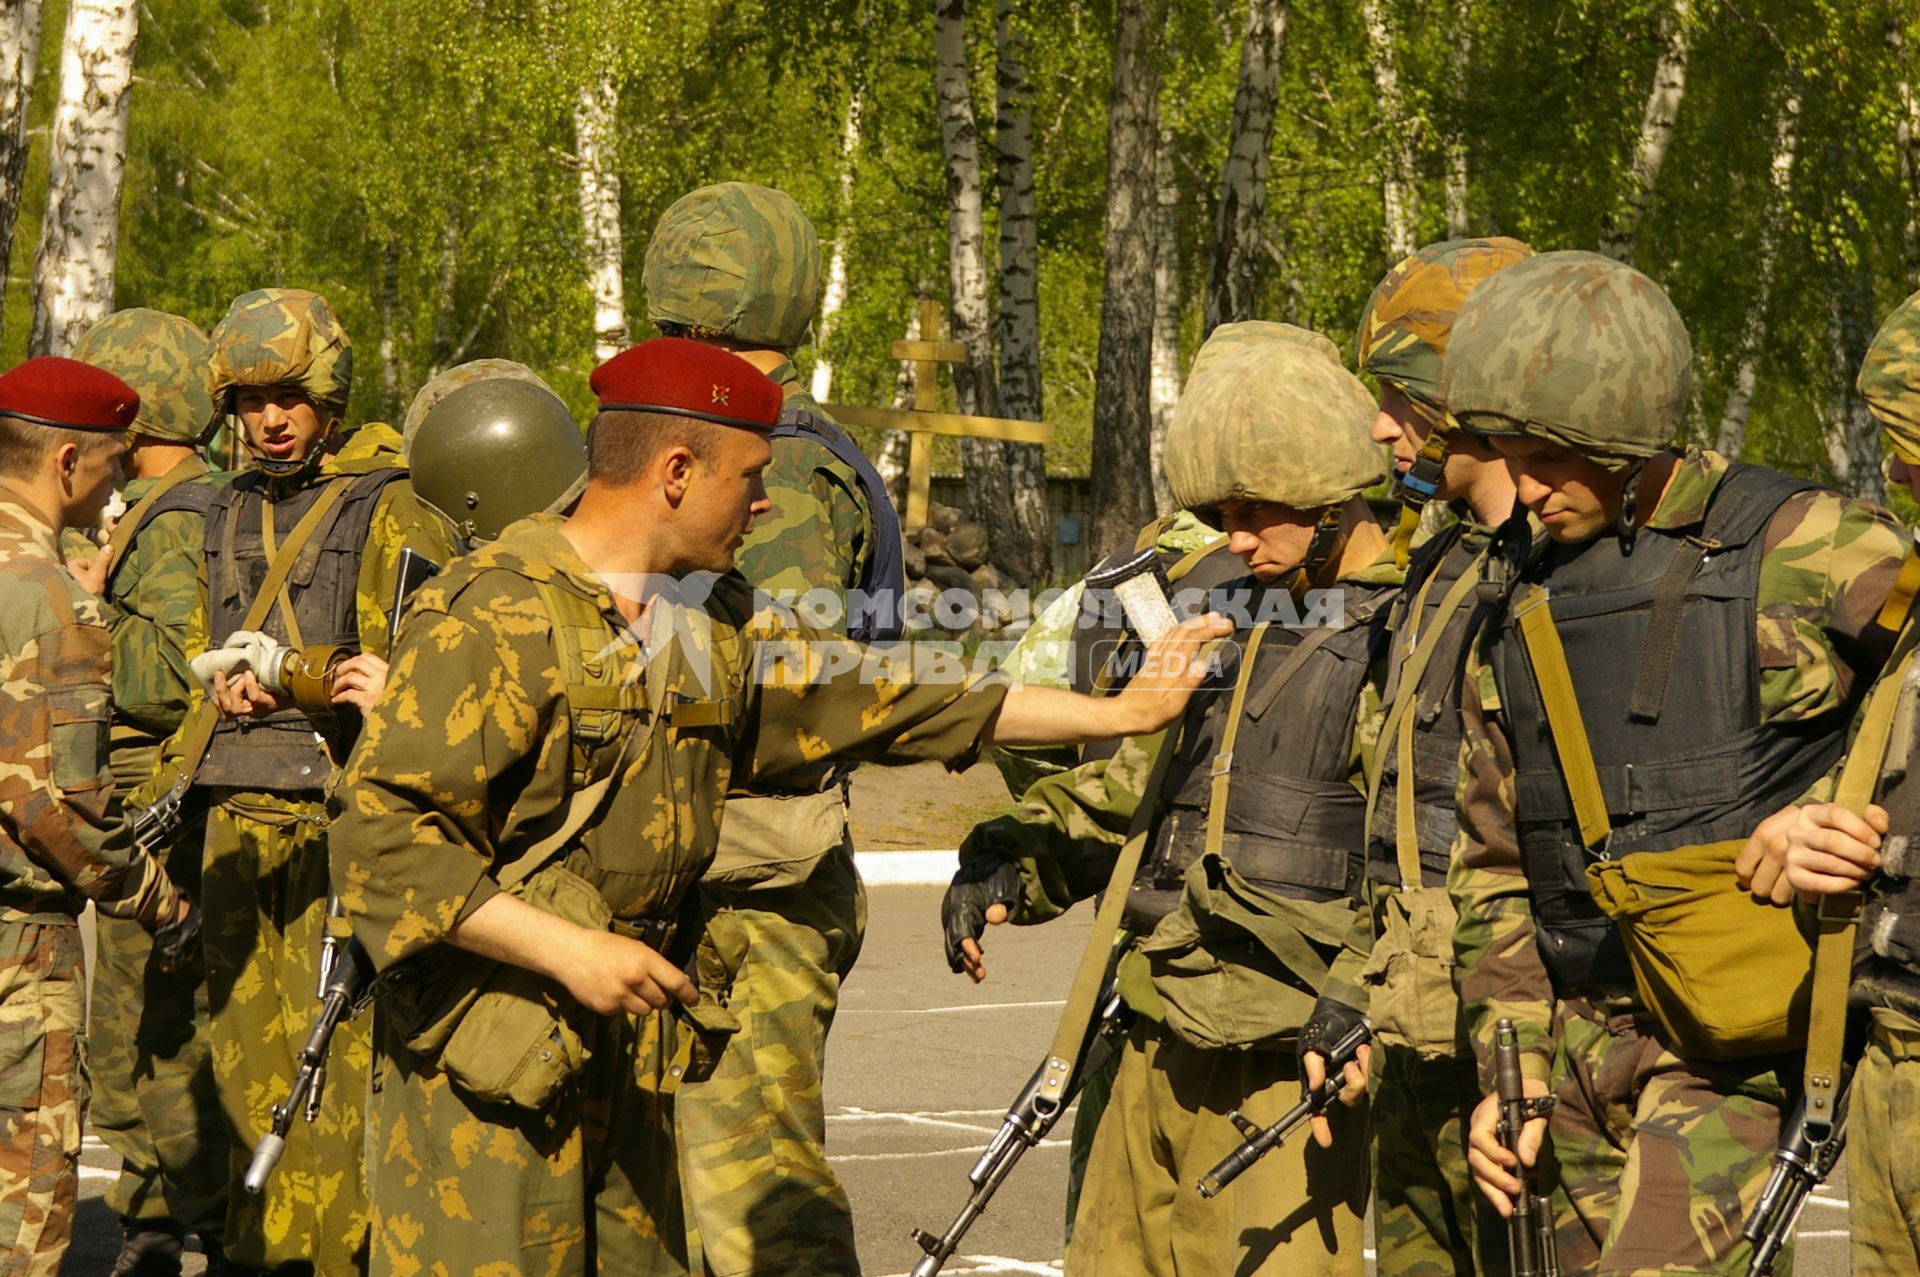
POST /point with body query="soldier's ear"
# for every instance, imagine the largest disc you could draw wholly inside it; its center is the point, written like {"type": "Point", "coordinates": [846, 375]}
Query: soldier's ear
{"type": "Point", "coordinates": [675, 466]}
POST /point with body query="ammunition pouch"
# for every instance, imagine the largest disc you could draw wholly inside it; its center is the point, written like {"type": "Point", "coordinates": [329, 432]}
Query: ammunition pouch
{"type": "Point", "coordinates": [1409, 975]}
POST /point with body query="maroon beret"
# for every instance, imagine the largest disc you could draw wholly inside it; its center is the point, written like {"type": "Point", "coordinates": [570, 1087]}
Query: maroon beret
{"type": "Point", "coordinates": [51, 391]}
{"type": "Point", "coordinates": [686, 378]}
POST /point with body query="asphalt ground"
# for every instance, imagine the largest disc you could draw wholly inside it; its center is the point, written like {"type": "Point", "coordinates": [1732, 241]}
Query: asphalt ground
{"type": "Point", "coordinates": [922, 1066]}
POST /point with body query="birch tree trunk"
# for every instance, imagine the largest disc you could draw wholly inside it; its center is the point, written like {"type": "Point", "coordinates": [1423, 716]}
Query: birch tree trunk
{"type": "Point", "coordinates": [1165, 379]}
{"type": "Point", "coordinates": [19, 60]}
{"type": "Point", "coordinates": [1025, 544]}
{"type": "Point", "coordinates": [1907, 143]}
{"type": "Point", "coordinates": [1753, 331]}
{"type": "Point", "coordinates": [1460, 67]}
{"type": "Point", "coordinates": [1618, 235]}
{"type": "Point", "coordinates": [989, 489]}
{"type": "Point", "coordinates": [1233, 266]}
{"type": "Point", "coordinates": [1399, 191]}
{"type": "Point", "coordinates": [386, 297]}
{"type": "Point", "coordinates": [87, 154]}
{"type": "Point", "coordinates": [1853, 435]}
{"type": "Point", "coordinates": [834, 295]}
{"type": "Point", "coordinates": [896, 445]}
{"type": "Point", "coordinates": [1122, 400]}
{"type": "Point", "coordinates": [597, 145]}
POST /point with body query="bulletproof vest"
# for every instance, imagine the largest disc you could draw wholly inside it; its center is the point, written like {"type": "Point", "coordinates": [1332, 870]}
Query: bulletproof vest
{"type": "Point", "coordinates": [1293, 814]}
{"type": "Point", "coordinates": [1887, 947]}
{"type": "Point", "coordinates": [1435, 567]}
{"type": "Point", "coordinates": [281, 753]}
{"type": "Point", "coordinates": [884, 579]}
{"type": "Point", "coordinates": [195, 496]}
{"type": "Point", "coordinates": [1704, 768]}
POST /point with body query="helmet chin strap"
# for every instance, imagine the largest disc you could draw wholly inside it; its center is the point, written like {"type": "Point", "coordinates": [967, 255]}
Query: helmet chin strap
{"type": "Point", "coordinates": [1419, 485]}
{"type": "Point", "coordinates": [292, 467]}
{"type": "Point", "coordinates": [1326, 543]}
{"type": "Point", "coordinates": [1630, 506]}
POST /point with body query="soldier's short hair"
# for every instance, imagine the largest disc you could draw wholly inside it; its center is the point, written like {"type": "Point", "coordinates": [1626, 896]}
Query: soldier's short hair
{"type": "Point", "coordinates": [621, 445]}
{"type": "Point", "coordinates": [24, 445]}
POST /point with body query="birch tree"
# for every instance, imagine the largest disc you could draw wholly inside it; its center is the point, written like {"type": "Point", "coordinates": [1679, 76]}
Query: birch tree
{"type": "Point", "coordinates": [1852, 433]}
{"type": "Point", "coordinates": [19, 60]}
{"type": "Point", "coordinates": [1753, 331]}
{"type": "Point", "coordinates": [1165, 380]}
{"type": "Point", "coordinates": [1618, 235]}
{"type": "Point", "coordinates": [1399, 189]}
{"type": "Point", "coordinates": [1025, 546]}
{"type": "Point", "coordinates": [833, 295]}
{"type": "Point", "coordinates": [1122, 406]}
{"type": "Point", "coordinates": [597, 146]}
{"type": "Point", "coordinates": [1459, 68]}
{"type": "Point", "coordinates": [1233, 265]}
{"type": "Point", "coordinates": [1907, 143]}
{"type": "Point", "coordinates": [87, 152]}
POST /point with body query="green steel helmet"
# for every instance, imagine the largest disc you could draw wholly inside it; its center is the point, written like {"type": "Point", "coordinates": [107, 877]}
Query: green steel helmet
{"type": "Point", "coordinates": [1890, 379]}
{"type": "Point", "coordinates": [734, 261]}
{"type": "Point", "coordinates": [1574, 348]}
{"type": "Point", "coordinates": [168, 360]}
{"type": "Point", "coordinates": [283, 337]}
{"type": "Point", "coordinates": [1404, 328]}
{"type": "Point", "coordinates": [1228, 339]}
{"type": "Point", "coordinates": [452, 379]}
{"type": "Point", "coordinates": [1278, 420]}
{"type": "Point", "coordinates": [494, 451]}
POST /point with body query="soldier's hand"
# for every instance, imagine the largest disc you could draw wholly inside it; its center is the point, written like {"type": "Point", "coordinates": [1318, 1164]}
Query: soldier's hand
{"type": "Point", "coordinates": [175, 942]}
{"type": "Point", "coordinates": [1494, 1168]}
{"type": "Point", "coordinates": [241, 696]}
{"type": "Point", "coordinates": [610, 974]}
{"type": "Point", "coordinates": [981, 894]}
{"type": "Point", "coordinates": [1761, 866]}
{"type": "Point", "coordinates": [1331, 1020]}
{"type": "Point", "coordinates": [1831, 849]}
{"type": "Point", "coordinates": [359, 680]}
{"type": "Point", "coordinates": [1171, 667]}
{"type": "Point", "coordinates": [90, 572]}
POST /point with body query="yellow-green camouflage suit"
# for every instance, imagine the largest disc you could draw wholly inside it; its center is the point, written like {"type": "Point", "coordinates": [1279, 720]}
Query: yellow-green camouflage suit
{"type": "Point", "coordinates": [265, 889]}
{"type": "Point", "coordinates": [761, 1196]}
{"type": "Point", "coordinates": [466, 762]}
{"type": "Point", "coordinates": [1659, 1157]}
{"type": "Point", "coordinates": [151, 1062]}
{"type": "Point", "coordinates": [59, 846]}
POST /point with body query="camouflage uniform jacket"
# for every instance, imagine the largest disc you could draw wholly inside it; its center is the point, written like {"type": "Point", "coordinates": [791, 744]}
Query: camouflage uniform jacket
{"type": "Point", "coordinates": [1827, 564]}
{"type": "Point", "coordinates": [468, 758]}
{"type": "Point", "coordinates": [57, 841]}
{"type": "Point", "coordinates": [819, 536]}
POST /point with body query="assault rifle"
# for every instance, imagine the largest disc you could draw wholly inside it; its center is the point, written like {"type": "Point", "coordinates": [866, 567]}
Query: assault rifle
{"type": "Point", "coordinates": [1804, 1159]}
{"type": "Point", "coordinates": [1259, 1140]}
{"type": "Point", "coordinates": [1530, 1240]}
{"type": "Point", "coordinates": [1027, 1123]}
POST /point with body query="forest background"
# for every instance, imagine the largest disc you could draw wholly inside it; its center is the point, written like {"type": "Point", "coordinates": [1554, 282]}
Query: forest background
{"type": "Point", "coordinates": [1088, 185]}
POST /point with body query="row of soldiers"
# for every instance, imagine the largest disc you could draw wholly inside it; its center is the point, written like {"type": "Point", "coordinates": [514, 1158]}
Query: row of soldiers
{"type": "Point", "coordinates": [235, 730]}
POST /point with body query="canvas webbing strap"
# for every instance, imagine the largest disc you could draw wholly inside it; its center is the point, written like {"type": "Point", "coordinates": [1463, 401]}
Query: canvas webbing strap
{"type": "Point", "coordinates": [1564, 721]}
{"type": "Point", "coordinates": [1064, 1054]}
{"type": "Point", "coordinates": [1662, 643]}
{"type": "Point", "coordinates": [1839, 915]}
{"type": "Point", "coordinates": [581, 808]}
{"type": "Point", "coordinates": [1893, 613]}
{"type": "Point", "coordinates": [1399, 724]}
{"type": "Point", "coordinates": [129, 525]}
{"type": "Point", "coordinates": [287, 613]}
{"type": "Point", "coordinates": [1220, 775]}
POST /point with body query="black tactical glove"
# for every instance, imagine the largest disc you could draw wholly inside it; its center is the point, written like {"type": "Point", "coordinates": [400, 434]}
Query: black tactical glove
{"type": "Point", "coordinates": [963, 913]}
{"type": "Point", "coordinates": [1331, 1020]}
{"type": "Point", "coordinates": [176, 943]}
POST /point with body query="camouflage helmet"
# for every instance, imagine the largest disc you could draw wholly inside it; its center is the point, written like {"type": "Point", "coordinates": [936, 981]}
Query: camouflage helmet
{"type": "Point", "coordinates": [168, 360]}
{"type": "Point", "coordinates": [1574, 348]}
{"type": "Point", "coordinates": [452, 379]}
{"type": "Point", "coordinates": [1230, 339]}
{"type": "Point", "coordinates": [1280, 419]}
{"type": "Point", "coordinates": [1404, 328]}
{"type": "Point", "coordinates": [497, 450]}
{"type": "Point", "coordinates": [283, 337]}
{"type": "Point", "coordinates": [734, 261]}
{"type": "Point", "coordinates": [1890, 379]}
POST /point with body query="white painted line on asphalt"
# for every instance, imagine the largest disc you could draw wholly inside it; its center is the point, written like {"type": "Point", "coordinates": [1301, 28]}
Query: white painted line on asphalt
{"type": "Point", "coordinates": [996, 1264]}
{"type": "Point", "coordinates": [907, 868]}
{"type": "Point", "coordinates": [921, 1119]}
{"type": "Point", "coordinates": [874, 1115]}
{"type": "Point", "coordinates": [1821, 1199]}
{"type": "Point", "coordinates": [1823, 1232]}
{"type": "Point", "coordinates": [970, 1150]}
{"type": "Point", "coordinates": [99, 1172]}
{"type": "Point", "coordinates": [969, 1006]}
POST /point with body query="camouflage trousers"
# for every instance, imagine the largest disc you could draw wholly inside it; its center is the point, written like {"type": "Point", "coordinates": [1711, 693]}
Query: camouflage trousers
{"type": "Point", "coordinates": [1428, 1217]}
{"type": "Point", "coordinates": [460, 1187]}
{"type": "Point", "coordinates": [1883, 1163]}
{"type": "Point", "coordinates": [760, 1194]}
{"type": "Point", "coordinates": [151, 1066]}
{"type": "Point", "coordinates": [1297, 1210]}
{"type": "Point", "coordinates": [42, 1090]}
{"type": "Point", "coordinates": [1659, 1158]}
{"type": "Point", "coordinates": [265, 894]}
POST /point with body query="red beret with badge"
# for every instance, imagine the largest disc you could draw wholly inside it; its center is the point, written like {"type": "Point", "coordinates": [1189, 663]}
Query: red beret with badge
{"type": "Point", "coordinates": [51, 391]}
{"type": "Point", "coordinates": [685, 378]}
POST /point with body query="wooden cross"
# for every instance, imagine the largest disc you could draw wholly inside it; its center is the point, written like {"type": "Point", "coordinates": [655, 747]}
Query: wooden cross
{"type": "Point", "coordinates": [922, 422]}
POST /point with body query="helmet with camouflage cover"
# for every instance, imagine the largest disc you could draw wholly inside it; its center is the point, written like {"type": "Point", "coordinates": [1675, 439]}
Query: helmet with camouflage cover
{"type": "Point", "coordinates": [734, 261]}
{"type": "Point", "coordinates": [1573, 348]}
{"type": "Point", "coordinates": [283, 337]}
{"type": "Point", "coordinates": [439, 387]}
{"type": "Point", "coordinates": [495, 450]}
{"type": "Point", "coordinates": [1279, 420]}
{"type": "Point", "coordinates": [1890, 379]}
{"type": "Point", "coordinates": [168, 360]}
{"type": "Point", "coordinates": [1404, 328]}
{"type": "Point", "coordinates": [1230, 339]}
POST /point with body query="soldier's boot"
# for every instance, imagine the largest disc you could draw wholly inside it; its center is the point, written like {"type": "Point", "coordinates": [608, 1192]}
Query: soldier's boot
{"type": "Point", "coordinates": [149, 1251]}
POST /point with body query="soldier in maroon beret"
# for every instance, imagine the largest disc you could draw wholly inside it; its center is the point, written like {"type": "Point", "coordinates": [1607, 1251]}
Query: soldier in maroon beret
{"type": "Point", "coordinates": [62, 432]}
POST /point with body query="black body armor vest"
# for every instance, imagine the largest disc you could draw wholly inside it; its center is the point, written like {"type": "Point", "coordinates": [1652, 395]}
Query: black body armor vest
{"type": "Point", "coordinates": [1706, 769]}
{"type": "Point", "coordinates": [281, 753]}
{"type": "Point", "coordinates": [1293, 814]}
